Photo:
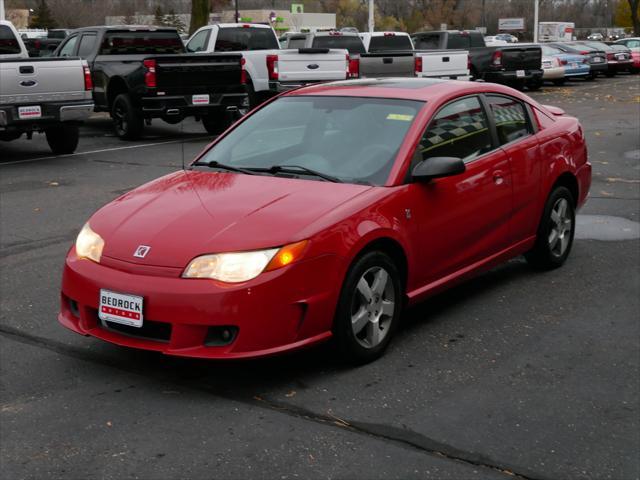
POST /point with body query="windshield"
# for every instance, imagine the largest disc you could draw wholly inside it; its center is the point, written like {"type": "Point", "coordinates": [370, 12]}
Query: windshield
{"type": "Point", "coordinates": [352, 139]}
{"type": "Point", "coordinates": [240, 39]}
{"type": "Point", "coordinates": [351, 43]}
{"type": "Point", "coordinates": [390, 43]}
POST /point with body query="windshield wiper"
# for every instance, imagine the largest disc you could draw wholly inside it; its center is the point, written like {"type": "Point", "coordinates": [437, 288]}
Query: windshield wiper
{"type": "Point", "coordinates": [297, 169]}
{"type": "Point", "coordinates": [223, 166]}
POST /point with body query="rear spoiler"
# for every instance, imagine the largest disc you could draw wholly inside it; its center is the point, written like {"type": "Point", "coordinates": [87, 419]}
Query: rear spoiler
{"type": "Point", "coordinates": [313, 50]}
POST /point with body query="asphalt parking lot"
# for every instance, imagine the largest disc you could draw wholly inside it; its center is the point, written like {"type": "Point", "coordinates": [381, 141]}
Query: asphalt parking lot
{"type": "Point", "coordinates": [516, 372]}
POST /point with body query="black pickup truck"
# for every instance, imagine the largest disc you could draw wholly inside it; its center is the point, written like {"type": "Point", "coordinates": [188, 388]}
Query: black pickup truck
{"type": "Point", "coordinates": [141, 73]}
{"type": "Point", "coordinates": [512, 64]}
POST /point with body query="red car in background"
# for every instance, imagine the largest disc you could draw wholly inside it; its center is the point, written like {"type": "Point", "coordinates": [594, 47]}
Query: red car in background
{"type": "Point", "coordinates": [323, 213]}
{"type": "Point", "coordinates": [632, 44]}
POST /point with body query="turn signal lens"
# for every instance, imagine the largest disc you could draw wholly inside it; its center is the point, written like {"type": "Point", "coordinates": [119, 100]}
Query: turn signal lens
{"type": "Point", "coordinates": [287, 255]}
{"type": "Point", "coordinates": [89, 244]}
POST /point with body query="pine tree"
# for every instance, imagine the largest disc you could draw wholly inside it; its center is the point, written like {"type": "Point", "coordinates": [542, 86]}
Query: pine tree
{"type": "Point", "coordinates": [42, 17]}
{"type": "Point", "coordinates": [174, 20]}
{"type": "Point", "coordinates": [158, 17]}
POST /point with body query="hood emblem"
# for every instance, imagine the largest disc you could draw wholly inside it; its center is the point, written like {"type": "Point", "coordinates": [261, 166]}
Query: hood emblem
{"type": "Point", "coordinates": [141, 251]}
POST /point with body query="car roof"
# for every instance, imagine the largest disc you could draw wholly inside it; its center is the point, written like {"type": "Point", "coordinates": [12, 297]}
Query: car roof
{"type": "Point", "coordinates": [123, 28]}
{"type": "Point", "coordinates": [334, 33]}
{"type": "Point", "coordinates": [422, 89]}
{"type": "Point", "coordinates": [242, 24]}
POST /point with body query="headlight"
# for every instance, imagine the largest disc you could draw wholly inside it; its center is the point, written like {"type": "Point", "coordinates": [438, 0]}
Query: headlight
{"type": "Point", "coordinates": [89, 244]}
{"type": "Point", "coordinates": [239, 267]}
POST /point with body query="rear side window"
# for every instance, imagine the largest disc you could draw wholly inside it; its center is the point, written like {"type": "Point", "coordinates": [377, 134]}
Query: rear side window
{"type": "Point", "coordinates": [238, 39]}
{"type": "Point", "coordinates": [390, 42]}
{"type": "Point", "coordinates": [8, 42]}
{"type": "Point", "coordinates": [69, 47]}
{"type": "Point", "coordinates": [633, 43]}
{"type": "Point", "coordinates": [427, 42]}
{"type": "Point", "coordinates": [460, 130]}
{"type": "Point", "coordinates": [297, 42]}
{"type": "Point", "coordinates": [351, 43]}
{"type": "Point", "coordinates": [141, 43]}
{"type": "Point", "coordinates": [87, 42]}
{"type": "Point", "coordinates": [199, 42]}
{"type": "Point", "coordinates": [510, 118]}
{"type": "Point", "coordinates": [457, 40]}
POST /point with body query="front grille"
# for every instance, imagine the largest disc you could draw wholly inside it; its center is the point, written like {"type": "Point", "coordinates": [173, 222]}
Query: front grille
{"type": "Point", "coordinates": [150, 330]}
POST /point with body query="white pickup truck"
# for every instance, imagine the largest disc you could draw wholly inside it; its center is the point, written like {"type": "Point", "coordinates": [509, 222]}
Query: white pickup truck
{"type": "Point", "coordinates": [269, 69]}
{"type": "Point", "coordinates": [50, 95]}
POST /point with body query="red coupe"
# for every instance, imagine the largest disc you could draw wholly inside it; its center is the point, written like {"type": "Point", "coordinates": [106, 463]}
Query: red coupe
{"type": "Point", "coordinates": [325, 212]}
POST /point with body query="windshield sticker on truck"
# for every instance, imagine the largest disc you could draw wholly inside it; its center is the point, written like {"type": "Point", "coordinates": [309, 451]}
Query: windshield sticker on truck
{"type": "Point", "coordinates": [399, 116]}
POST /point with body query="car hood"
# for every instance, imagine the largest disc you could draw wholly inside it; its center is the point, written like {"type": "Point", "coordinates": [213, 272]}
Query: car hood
{"type": "Point", "coordinates": [191, 213]}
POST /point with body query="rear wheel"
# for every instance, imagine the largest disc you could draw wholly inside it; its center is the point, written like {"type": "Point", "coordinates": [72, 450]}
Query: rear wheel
{"type": "Point", "coordinates": [128, 124]}
{"type": "Point", "coordinates": [559, 82]}
{"type": "Point", "coordinates": [217, 121]}
{"type": "Point", "coordinates": [534, 84]}
{"type": "Point", "coordinates": [369, 308]}
{"type": "Point", "coordinates": [610, 74]}
{"type": "Point", "coordinates": [555, 232]}
{"type": "Point", "coordinates": [63, 138]}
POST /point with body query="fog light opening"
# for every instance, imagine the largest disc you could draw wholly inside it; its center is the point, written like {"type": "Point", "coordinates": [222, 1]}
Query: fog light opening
{"type": "Point", "coordinates": [74, 309]}
{"type": "Point", "coordinates": [220, 336]}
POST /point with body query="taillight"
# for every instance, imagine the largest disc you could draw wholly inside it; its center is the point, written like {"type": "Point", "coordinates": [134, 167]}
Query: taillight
{"type": "Point", "coordinates": [584, 52]}
{"type": "Point", "coordinates": [563, 62]}
{"type": "Point", "coordinates": [150, 79]}
{"type": "Point", "coordinates": [272, 67]}
{"type": "Point", "coordinates": [88, 82]}
{"type": "Point", "coordinates": [611, 56]}
{"type": "Point", "coordinates": [353, 67]}
{"type": "Point", "coordinates": [468, 63]}
{"type": "Point", "coordinates": [418, 65]}
{"type": "Point", "coordinates": [243, 72]}
{"type": "Point", "coordinates": [496, 60]}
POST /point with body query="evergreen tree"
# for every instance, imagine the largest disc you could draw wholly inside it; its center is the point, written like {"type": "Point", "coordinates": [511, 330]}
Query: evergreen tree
{"type": "Point", "coordinates": [158, 17]}
{"type": "Point", "coordinates": [42, 17]}
{"type": "Point", "coordinates": [174, 20]}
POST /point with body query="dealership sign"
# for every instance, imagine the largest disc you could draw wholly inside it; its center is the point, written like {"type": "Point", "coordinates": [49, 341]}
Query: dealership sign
{"type": "Point", "coordinates": [511, 24]}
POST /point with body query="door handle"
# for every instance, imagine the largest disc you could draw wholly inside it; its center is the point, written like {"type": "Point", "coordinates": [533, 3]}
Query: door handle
{"type": "Point", "coordinates": [497, 177]}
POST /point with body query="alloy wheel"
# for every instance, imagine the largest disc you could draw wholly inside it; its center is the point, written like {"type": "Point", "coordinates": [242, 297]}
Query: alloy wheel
{"type": "Point", "coordinates": [561, 226]}
{"type": "Point", "coordinates": [372, 307]}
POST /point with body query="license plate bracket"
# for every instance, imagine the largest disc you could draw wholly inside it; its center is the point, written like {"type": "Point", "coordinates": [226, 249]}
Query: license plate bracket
{"type": "Point", "coordinates": [122, 308]}
{"type": "Point", "coordinates": [200, 99]}
{"type": "Point", "coordinates": [520, 73]}
{"type": "Point", "coordinates": [29, 112]}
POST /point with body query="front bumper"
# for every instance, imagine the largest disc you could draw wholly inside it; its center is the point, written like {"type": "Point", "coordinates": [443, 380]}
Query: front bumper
{"type": "Point", "coordinates": [183, 106]}
{"type": "Point", "coordinates": [282, 310]}
{"type": "Point", "coordinates": [52, 114]}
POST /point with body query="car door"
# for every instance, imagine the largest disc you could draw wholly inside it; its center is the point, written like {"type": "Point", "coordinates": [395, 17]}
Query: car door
{"type": "Point", "coordinates": [461, 219]}
{"type": "Point", "coordinates": [515, 133]}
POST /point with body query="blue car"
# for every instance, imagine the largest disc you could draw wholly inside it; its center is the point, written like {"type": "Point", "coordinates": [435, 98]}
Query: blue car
{"type": "Point", "coordinates": [573, 65]}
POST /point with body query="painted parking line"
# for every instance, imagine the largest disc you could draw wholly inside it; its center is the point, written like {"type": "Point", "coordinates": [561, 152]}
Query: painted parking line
{"type": "Point", "coordinates": [114, 149]}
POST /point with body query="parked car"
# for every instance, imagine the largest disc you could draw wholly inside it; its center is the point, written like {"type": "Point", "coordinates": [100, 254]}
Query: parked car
{"type": "Point", "coordinates": [617, 61]}
{"type": "Point", "coordinates": [491, 41]}
{"type": "Point", "coordinates": [572, 65]}
{"type": "Point", "coordinates": [324, 212]}
{"type": "Point", "coordinates": [45, 95]}
{"type": "Point", "coordinates": [597, 37]}
{"type": "Point", "coordinates": [46, 46]}
{"type": "Point", "coordinates": [510, 64]}
{"type": "Point", "coordinates": [142, 72]}
{"type": "Point", "coordinates": [507, 37]}
{"type": "Point", "coordinates": [597, 58]}
{"type": "Point", "coordinates": [633, 44]}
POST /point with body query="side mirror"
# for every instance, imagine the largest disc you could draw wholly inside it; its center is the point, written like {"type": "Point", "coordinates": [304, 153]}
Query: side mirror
{"type": "Point", "coordinates": [435, 167]}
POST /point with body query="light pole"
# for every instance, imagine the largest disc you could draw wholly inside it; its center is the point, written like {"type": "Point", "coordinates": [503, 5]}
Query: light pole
{"type": "Point", "coordinates": [2, 17]}
{"type": "Point", "coordinates": [536, 6]}
{"type": "Point", "coordinates": [371, 22]}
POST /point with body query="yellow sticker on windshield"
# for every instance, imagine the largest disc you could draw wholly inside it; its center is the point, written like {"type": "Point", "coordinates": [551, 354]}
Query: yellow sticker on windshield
{"type": "Point", "coordinates": [399, 116]}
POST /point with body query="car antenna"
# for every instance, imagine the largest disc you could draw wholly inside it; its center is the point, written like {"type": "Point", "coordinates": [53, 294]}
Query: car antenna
{"type": "Point", "coordinates": [182, 142]}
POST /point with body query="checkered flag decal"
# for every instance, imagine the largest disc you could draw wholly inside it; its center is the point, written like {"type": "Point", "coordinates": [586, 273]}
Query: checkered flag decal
{"type": "Point", "coordinates": [450, 129]}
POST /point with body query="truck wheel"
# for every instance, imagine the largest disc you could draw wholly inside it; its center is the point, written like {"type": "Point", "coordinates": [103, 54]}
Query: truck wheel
{"type": "Point", "coordinates": [555, 232]}
{"type": "Point", "coordinates": [534, 84]}
{"type": "Point", "coordinates": [216, 122]}
{"type": "Point", "coordinates": [126, 121]}
{"type": "Point", "coordinates": [63, 138]}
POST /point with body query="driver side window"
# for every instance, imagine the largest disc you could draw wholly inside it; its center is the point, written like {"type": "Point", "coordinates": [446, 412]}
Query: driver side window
{"type": "Point", "coordinates": [460, 130]}
{"type": "Point", "coordinates": [199, 42]}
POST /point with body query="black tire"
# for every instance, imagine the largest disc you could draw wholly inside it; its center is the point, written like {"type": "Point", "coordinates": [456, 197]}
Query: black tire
{"type": "Point", "coordinates": [127, 122]}
{"type": "Point", "coordinates": [253, 99]}
{"type": "Point", "coordinates": [591, 77]}
{"type": "Point", "coordinates": [355, 347]}
{"type": "Point", "coordinates": [547, 255]}
{"type": "Point", "coordinates": [534, 85]}
{"type": "Point", "coordinates": [610, 74]}
{"type": "Point", "coordinates": [63, 138]}
{"type": "Point", "coordinates": [217, 122]}
{"type": "Point", "coordinates": [559, 82]}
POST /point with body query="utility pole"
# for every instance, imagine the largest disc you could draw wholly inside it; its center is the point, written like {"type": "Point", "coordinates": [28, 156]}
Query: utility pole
{"type": "Point", "coordinates": [371, 22]}
{"type": "Point", "coordinates": [2, 17]}
{"type": "Point", "coordinates": [237, 19]}
{"type": "Point", "coordinates": [484, 16]}
{"type": "Point", "coordinates": [536, 7]}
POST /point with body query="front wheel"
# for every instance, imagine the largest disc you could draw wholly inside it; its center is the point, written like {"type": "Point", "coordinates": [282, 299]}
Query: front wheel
{"type": "Point", "coordinates": [63, 138]}
{"type": "Point", "coordinates": [369, 308]}
{"type": "Point", "coordinates": [555, 232]}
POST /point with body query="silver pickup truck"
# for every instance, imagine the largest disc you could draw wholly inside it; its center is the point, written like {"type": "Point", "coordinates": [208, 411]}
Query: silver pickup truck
{"type": "Point", "coordinates": [48, 95]}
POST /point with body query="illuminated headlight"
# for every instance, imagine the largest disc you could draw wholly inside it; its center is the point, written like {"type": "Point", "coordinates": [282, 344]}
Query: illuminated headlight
{"type": "Point", "coordinates": [239, 267]}
{"type": "Point", "coordinates": [89, 244]}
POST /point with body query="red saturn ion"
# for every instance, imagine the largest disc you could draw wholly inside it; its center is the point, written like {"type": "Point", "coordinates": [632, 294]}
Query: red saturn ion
{"type": "Point", "coordinates": [323, 213]}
